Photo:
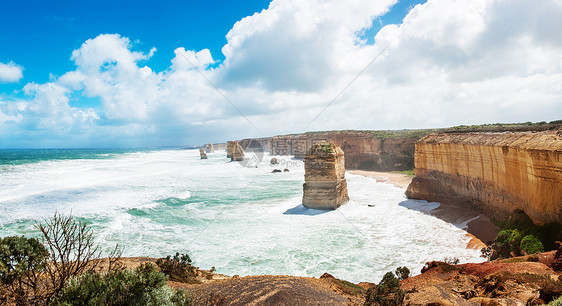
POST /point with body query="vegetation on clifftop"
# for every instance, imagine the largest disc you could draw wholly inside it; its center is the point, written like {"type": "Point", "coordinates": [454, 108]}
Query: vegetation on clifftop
{"type": "Point", "coordinates": [62, 269]}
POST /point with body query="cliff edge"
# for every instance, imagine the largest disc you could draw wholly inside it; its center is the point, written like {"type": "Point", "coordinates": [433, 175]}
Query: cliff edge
{"type": "Point", "coordinates": [495, 172]}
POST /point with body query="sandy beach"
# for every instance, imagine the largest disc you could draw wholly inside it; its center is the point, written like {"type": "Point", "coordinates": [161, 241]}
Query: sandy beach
{"type": "Point", "coordinates": [480, 227]}
{"type": "Point", "coordinates": [397, 179]}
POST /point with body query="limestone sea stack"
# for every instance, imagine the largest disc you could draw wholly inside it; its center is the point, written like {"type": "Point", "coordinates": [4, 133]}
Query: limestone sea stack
{"type": "Point", "coordinates": [209, 148]}
{"type": "Point", "coordinates": [202, 153]}
{"type": "Point", "coordinates": [229, 148]}
{"type": "Point", "coordinates": [237, 152]}
{"type": "Point", "coordinates": [325, 186]}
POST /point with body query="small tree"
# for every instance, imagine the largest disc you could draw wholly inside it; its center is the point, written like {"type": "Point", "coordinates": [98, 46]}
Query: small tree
{"type": "Point", "coordinates": [178, 268]}
{"type": "Point", "coordinates": [386, 293]}
{"type": "Point", "coordinates": [71, 248]}
{"type": "Point", "coordinates": [22, 261]}
{"type": "Point", "coordinates": [402, 273]}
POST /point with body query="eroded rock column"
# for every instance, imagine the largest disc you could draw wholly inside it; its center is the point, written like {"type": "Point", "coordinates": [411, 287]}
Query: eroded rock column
{"type": "Point", "coordinates": [202, 153]}
{"type": "Point", "coordinates": [325, 186]}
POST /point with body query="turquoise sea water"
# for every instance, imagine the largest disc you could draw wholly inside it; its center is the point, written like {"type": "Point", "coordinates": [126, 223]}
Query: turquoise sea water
{"type": "Point", "coordinates": [240, 220]}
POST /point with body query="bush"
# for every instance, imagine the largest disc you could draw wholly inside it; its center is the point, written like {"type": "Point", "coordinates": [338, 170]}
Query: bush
{"type": "Point", "coordinates": [402, 273]}
{"type": "Point", "coordinates": [387, 292]}
{"type": "Point", "coordinates": [178, 268]}
{"type": "Point", "coordinates": [503, 236]}
{"type": "Point", "coordinates": [547, 233]}
{"type": "Point", "coordinates": [71, 249]}
{"type": "Point", "coordinates": [22, 260]}
{"type": "Point", "coordinates": [531, 245]}
{"type": "Point", "coordinates": [142, 286]}
{"type": "Point", "coordinates": [557, 302]}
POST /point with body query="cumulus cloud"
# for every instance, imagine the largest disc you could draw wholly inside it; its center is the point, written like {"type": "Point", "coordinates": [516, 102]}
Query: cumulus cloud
{"type": "Point", "coordinates": [449, 62]}
{"type": "Point", "coordinates": [10, 72]}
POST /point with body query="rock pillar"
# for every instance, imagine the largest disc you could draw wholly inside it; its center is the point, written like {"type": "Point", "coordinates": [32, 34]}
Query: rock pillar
{"type": "Point", "coordinates": [325, 186]}
{"type": "Point", "coordinates": [237, 152]}
{"type": "Point", "coordinates": [202, 153]}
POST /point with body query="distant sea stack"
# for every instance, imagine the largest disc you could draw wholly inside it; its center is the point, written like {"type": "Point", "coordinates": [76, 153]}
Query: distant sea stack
{"type": "Point", "coordinates": [202, 153]}
{"type": "Point", "coordinates": [496, 172]}
{"type": "Point", "coordinates": [325, 186]}
{"type": "Point", "coordinates": [230, 148]}
{"type": "Point", "coordinates": [234, 151]}
{"type": "Point", "coordinates": [209, 148]}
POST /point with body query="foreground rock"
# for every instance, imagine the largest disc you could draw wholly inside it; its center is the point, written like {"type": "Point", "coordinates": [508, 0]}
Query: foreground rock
{"type": "Point", "coordinates": [495, 172]}
{"type": "Point", "coordinates": [527, 280]}
{"type": "Point", "coordinates": [517, 281]}
{"type": "Point", "coordinates": [274, 290]}
{"type": "Point", "coordinates": [202, 153]}
{"type": "Point", "coordinates": [325, 186]}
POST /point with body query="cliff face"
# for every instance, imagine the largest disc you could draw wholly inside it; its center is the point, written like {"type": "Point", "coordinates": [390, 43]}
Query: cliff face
{"type": "Point", "coordinates": [325, 186]}
{"type": "Point", "coordinates": [363, 150]}
{"type": "Point", "coordinates": [495, 172]}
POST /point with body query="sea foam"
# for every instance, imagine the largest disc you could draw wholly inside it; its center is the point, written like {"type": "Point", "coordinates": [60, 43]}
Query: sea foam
{"type": "Point", "coordinates": [241, 220]}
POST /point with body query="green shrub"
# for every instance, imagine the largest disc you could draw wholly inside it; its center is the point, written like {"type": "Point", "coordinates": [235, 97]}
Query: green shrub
{"type": "Point", "coordinates": [22, 260]}
{"type": "Point", "coordinates": [142, 286]}
{"type": "Point", "coordinates": [503, 236]}
{"type": "Point", "coordinates": [402, 273]}
{"type": "Point", "coordinates": [178, 268]}
{"type": "Point", "coordinates": [531, 245]}
{"type": "Point", "coordinates": [386, 293]}
{"type": "Point", "coordinates": [547, 233]}
{"type": "Point", "coordinates": [557, 302]}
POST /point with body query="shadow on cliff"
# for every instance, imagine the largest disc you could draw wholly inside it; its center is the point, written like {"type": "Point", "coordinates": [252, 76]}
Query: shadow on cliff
{"type": "Point", "coordinates": [301, 210]}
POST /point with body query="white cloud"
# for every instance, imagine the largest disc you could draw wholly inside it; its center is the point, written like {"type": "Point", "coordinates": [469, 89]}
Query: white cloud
{"type": "Point", "coordinates": [10, 72]}
{"type": "Point", "coordinates": [450, 62]}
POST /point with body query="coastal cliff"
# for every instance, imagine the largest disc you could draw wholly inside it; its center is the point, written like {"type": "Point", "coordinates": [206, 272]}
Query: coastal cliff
{"type": "Point", "coordinates": [496, 172]}
{"type": "Point", "coordinates": [364, 150]}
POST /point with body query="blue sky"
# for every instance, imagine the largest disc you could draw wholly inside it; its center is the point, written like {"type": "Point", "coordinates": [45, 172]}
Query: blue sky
{"type": "Point", "coordinates": [140, 73]}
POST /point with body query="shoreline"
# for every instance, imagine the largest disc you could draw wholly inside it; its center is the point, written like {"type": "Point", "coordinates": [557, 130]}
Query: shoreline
{"type": "Point", "coordinates": [478, 226]}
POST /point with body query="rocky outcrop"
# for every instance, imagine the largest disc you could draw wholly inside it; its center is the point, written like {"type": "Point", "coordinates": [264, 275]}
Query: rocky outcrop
{"type": "Point", "coordinates": [325, 186]}
{"type": "Point", "coordinates": [202, 153]}
{"type": "Point", "coordinates": [209, 148]}
{"type": "Point", "coordinates": [494, 172]}
{"type": "Point", "coordinates": [521, 281]}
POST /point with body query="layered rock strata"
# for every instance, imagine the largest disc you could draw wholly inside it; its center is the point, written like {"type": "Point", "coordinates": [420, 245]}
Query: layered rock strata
{"type": "Point", "coordinates": [230, 148]}
{"type": "Point", "coordinates": [494, 172]}
{"type": "Point", "coordinates": [365, 150]}
{"type": "Point", "coordinates": [236, 153]}
{"type": "Point", "coordinates": [325, 186]}
{"type": "Point", "coordinates": [202, 153]}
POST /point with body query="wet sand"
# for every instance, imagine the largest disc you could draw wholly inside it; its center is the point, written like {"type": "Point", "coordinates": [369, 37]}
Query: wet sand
{"type": "Point", "coordinates": [478, 225]}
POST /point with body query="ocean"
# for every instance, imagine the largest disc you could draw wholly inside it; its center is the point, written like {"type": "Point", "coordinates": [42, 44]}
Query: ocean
{"type": "Point", "coordinates": [241, 220]}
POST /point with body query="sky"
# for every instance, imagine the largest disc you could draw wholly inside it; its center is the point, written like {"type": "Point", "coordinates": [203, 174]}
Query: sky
{"type": "Point", "coordinates": [78, 74]}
